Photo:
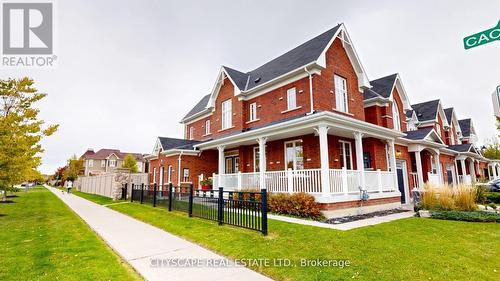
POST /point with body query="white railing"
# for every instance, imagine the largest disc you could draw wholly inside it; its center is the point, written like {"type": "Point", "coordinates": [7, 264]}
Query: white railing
{"type": "Point", "coordinates": [433, 178]}
{"type": "Point", "coordinates": [341, 181]}
{"type": "Point", "coordinates": [414, 180]}
{"type": "Point", "coordinates": [465, 179]}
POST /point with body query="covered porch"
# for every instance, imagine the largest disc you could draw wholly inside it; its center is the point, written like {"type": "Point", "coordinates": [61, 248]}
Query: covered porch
{"type": "Point", "coordinates": [328, 156]}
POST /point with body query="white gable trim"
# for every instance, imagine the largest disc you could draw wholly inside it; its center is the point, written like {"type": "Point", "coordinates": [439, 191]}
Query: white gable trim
{"type": "Point", "coordinates": [398, 84]}
{"type": "Point", "coordinates": [343, 35]}
{"type": "Point", "coordinates": [218, 84]}
{"type": "Point", "coordinates": [157, 147]}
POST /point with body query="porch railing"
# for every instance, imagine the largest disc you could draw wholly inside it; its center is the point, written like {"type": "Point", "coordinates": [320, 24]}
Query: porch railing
{"type": "Point", "coordinates": [341, 181]}
{"type": "Point", "coordinates": [414, 180]}
{"type": "Point", "coordinates": [433, 178]}
{"type": "Point", "coordinates": [465, 179]}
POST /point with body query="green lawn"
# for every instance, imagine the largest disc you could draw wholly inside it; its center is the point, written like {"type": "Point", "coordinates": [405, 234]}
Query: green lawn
{"type": "Point", "coordinates": [42, 239]}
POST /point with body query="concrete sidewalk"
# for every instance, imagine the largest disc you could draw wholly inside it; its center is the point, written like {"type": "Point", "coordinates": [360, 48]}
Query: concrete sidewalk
{"type": "Point", "coordinates": [141, 244]}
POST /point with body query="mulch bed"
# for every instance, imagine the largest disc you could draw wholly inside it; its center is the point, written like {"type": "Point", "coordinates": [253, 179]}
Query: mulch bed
{"type": "Point", "coordinates": [364, 216]}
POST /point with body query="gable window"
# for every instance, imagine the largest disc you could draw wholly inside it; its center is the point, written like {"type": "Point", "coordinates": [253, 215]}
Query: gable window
{"type": "Point", "coordinates": [91, 163]}
{"type": "Point", "coordinates": [345, 154]}
{"type": "Point", "coordinates": [253, 111]}
{"type": "Point", "coordinates": [112, 162]}
{"type": "Point", "coordinates": [207, 127]}
{"type": "Point", "coordinates": [291, 99]}
{"type": "Point", "coordinates": [294, 155]}
{"type": "Point", "coordinates": [103, 163]}
{"type": "Point", "coordinates": [395, 117]}
{"type": "Point", "coordinates": [191, 133]}
{"type": "Point", "coordinates": [340, 93]}
{"type": "Point", "coordinates": [226, 114]}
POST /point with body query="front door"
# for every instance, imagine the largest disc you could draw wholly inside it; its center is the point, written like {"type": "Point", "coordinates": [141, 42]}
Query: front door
{"type": "Point", "coordinates": [232, 164]}
{"type": "Point", "coordinates": [449, 174]}
{"type": "Point", "coordinates": [401, 172]}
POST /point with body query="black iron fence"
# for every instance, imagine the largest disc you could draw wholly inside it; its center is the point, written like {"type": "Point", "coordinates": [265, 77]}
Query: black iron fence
{"type": "Point", "coordinates": [241, 209]}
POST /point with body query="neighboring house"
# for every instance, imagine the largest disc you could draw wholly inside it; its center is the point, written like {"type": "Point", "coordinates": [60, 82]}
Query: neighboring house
{"type": "Point", "coordinates": [108, 160]}
{"type": "Point", "coordinates": [311, 121]}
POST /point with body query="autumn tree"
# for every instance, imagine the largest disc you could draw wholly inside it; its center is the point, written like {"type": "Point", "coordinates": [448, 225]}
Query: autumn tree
{"type": "Point", "coordinates": [130, 163]}
{"type": "Point", "coordinates": [74, 169]}
{"type": "Point", "coordinates": [20, 131]}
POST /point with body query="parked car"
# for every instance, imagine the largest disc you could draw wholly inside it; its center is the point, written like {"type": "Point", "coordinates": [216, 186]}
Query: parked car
{"type": "Point", "coordinates": [495, 185]}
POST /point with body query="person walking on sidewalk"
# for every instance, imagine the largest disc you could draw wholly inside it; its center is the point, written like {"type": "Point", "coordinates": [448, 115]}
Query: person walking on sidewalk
{"type": "Point", "coordinates": [69, 185]}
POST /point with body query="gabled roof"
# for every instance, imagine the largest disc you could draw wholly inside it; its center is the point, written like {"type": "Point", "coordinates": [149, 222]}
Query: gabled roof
{"type": "Point", "coordinates": [426, 111]}
{"type": "Point", "coordinates": [106, 152]}
{"type": "Point", "coordinates": [199, 107]}
{"type": "Point", "coordinates": [171, 143]}
{"type": "Point", "coordinates": [419, 134]}
{"type": "Point", "coordinates": [465, 147]}
{"type": "Point", "coordinates": [465, 126]}
{"type": "Point", "coordinates": [383, 86]}
{"type": "Point", "coordinates": [382, 89]}
{"type": "Point", "coordinates": [449, 114]}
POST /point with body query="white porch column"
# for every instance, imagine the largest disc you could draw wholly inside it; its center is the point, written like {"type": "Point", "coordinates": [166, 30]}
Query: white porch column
{"type": "Point", "coordinates": [221, 165]}
{"type": "Point", "coordinates": [464, 172]}
{"type": "Point", "coordinates": [392, 154]}
{"type": "Point", "coordinates": [262, 162]}
{"type": "Point", "coordinates": [494, 171]}
{"type": "Point", "coordinates": [438, 167]}
{"type": "Point", "coordinates": [358, 140]}
{"type": "Point", "coordinates": [420, 173]}
{"type": "Point", "coordinates": [472, 171]}
{"type": "Point", "coordinates": [323, 153]}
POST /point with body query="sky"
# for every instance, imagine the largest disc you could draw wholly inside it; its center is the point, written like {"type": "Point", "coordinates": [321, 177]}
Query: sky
{"type": "Point", "coordinates": [128, 71]}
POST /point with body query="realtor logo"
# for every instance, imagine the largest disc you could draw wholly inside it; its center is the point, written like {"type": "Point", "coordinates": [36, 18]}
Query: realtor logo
{"type": "Point", "coordinates": [28, 34]}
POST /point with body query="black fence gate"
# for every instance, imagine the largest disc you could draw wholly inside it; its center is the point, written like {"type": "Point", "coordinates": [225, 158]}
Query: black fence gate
{"type": "Point", "coordinates": [241, 209]}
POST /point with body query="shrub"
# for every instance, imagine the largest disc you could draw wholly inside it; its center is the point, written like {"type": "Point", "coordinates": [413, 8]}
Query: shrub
{"type": "Point", "coordinates": [493, 197]}
{"type": "Point", "coordinates": [466, 216]}
{"type": "Point", "coordinates": [465, 199]}
{"type": "Point", "coordinates": [446, 198]}
{"type": "Point", "coordinates": [298, 204]}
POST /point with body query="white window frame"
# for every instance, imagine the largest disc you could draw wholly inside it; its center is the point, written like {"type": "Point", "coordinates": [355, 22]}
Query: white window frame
{"type": "Point", "coordinates": [169, 175]}
{"type": "Point", "coordinates": [396, 119]}
{"type": "Point", "coordinates": [253, 111]}
{"type": "Point", "coordinates": [185, 174]}
{"type": "Point", "coordinates": [207, 127]}
{"type": "Point", "coordinates": [438, 130]}
{"type": "Point", "coordinates": [112, 163]}
{"type": "Point", "coordinates": [154, 175]}
{"type": "Point", "coordinates": [227, 114]}
{"type": "Point", "coordinates": [191, 133]}
{"type": "Point", "coordinates": [344, 156]}
{"type": "Point", "coordinates": [91, 163]}
{"type": "Point", "coordinates": [295, 153]}
{"type": "Point", "coordinates": [103, 163]}
{"type": "Point", "coordinates": [291, 98]}
{"type": "Point", "coordinates": [341, 96]}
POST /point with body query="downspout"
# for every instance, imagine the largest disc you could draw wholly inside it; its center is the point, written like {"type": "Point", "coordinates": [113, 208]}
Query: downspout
{"type": "Point", "coordinates": [179, 170]}
{"type": "Point", "coordinates": [310, 91]}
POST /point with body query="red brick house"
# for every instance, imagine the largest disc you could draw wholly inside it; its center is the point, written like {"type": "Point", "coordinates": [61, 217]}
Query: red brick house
{"type": "Point", "coordinates": [311, 121]}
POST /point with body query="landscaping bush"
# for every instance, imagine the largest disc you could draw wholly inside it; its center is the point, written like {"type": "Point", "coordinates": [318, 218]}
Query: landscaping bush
{"type": "Point", "coordinates": [446, 198]}
{"type": "Point", "coordinates": [466, 216]}
{"type": "Point", "coordinates": [493, 197]}
{"type": "Point", "coordinates": [298, 204]}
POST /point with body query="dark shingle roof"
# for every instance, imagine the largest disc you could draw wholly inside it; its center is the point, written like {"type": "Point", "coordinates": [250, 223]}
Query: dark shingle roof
{"type": "Point", "coordinates": [419, 134]}
{"type": "Point", "coordinates": [171, 143]}
{"type": "Point", "coordinates": [449, 114]}
{"type": "Point", "coordinates": [199, 107]}
{"type": "Point", "coordinates": [383, 86]}
{"type": "Point", "coordinates": [465, 127]}
{"type": "Point", "coordinates": [370, 94]}
{"type": "Point", "coordinates": [291, 60]}
{"type": "Point", "coordinates": [106, 152]}
{"type": "Point", "coordinates": [460, 147]}
{"type": "Point", "coordinates": [426, 110]}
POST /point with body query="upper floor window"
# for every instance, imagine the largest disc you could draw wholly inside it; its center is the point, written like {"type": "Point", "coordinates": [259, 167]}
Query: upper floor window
{"type": "Point", "coordinates": [103, 163]}
{"type": "Point", "coordinates": [291, 98]}
{"type": "Point", "coordinates": [207, 127]}
{"type": "Point", "coordinates": [91, 163]}
{"type": "Point", "coordinates": [226, 114]}
{"type": "Point", "coordinates": [340, 93]}
{"type": "Point", "coordinates": [191, 133]}
{"type": "Point", "coordinates": [395, 117]}
{"type": "Point", "coordinates": [253, 111]}
{"type": "Point", "coordinates": [112, 162]}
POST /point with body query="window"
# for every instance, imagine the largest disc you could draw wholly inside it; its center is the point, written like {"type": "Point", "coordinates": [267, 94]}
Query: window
{"type": "Point", "coordinates": [154, 175]}
{"type": "Point", "coordinates": [256, 159]}
{"type": "Point", "coordinates": [395, 117]}
{"type": "Point", "coordinates": [253, 111]}
{"type": "Point", "coordinates": [103, 163]}
{"type": "Point", "coordinates": [91, 163]}
{"type": "Point", "coordinates": [185, 173]}
{"type": "Point", "coordinates": [169, 178]}
{"type": "Point", "coordinates": [191, 133]}
{"type": "Point", "coordinates": [340, 93]}
{"type": "Point", "coordinates": [112, 162]}
{"type": "Point", "coordinates": [207, 127]}
{"type": "Point", "coordinates": [139, 166]}
{"type": "Point", "coordinates": [226, 114]}
{"type": "Point", "coordinates": [345, 154]}
{"type": "Point", "coordinates": [367, 161]}
{"type": "Point", "coordinates": [433, 165]}
{"type": "Point", "coordinates": [294, 155]}
{"type": "Point", "coordinates": [291, 98]}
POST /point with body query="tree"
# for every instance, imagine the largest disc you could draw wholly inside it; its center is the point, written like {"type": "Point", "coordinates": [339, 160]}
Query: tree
{"type": "Point", "coordinates": [130, 164]}
{"type": "Point", "coordinates": [492, 150]}
{"type": "Point", "coordinates": [74, 169]}
{"type": "Point", "coordinates": [20, 131]}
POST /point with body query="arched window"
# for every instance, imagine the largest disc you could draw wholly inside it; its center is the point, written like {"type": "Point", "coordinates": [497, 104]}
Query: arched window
{"type": "Point", "coordinates": [395, 117]}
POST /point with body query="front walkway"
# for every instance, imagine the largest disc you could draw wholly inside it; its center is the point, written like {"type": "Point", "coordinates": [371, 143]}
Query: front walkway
{"type": "Point", "coordinates": [140, 244]}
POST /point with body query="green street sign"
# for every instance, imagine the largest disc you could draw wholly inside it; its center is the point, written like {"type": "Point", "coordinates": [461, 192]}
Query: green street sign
{"type": "Point", "coordinates": [483, 37]}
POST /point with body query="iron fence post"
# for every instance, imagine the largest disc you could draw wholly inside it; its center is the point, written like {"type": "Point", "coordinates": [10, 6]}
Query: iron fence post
{"type": "Point", "coordinates": [220, 206]}
{"type": "Point", "coordinates": [132, 193]}
{"type": "Point", "coordinates": [142, 192]}
{"type": "Point", "coordinates": [124, 192]}
{"type": "Point", "coordinates": [154, 195]}
{"type": "Point", "coordinates": [170, 194]}
{"type": "Point", "coordinates": [190, 208]}
{"type": "Point", "coordinates": [263, 198]}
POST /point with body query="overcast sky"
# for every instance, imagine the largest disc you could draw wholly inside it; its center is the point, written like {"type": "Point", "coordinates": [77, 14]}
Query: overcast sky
{"type": "Point", "coordinates": [128, 71]}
